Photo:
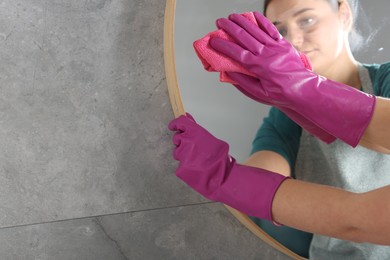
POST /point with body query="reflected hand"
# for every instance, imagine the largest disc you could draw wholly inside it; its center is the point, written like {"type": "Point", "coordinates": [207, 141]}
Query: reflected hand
{"type": "Point", "coordinates": [275, 63]}
{"type": "Point", "coordinates": [206, 166]}
{"type": "Point", "coordinates": [251, 87]}
{"type": "Point", "coordinates": [282, 80]}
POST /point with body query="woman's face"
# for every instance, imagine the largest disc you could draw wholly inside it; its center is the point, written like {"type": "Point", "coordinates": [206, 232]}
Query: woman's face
{"type": "Point", "coordinates": [314, 27]}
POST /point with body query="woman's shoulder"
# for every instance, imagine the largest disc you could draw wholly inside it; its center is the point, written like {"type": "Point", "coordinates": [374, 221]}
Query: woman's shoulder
{"type": "Point", "coordinates": [378, 69]}
{"type": "Point", "coordinates": [380, 77]}
{"type": "Point", "coordinates": [376, 66]}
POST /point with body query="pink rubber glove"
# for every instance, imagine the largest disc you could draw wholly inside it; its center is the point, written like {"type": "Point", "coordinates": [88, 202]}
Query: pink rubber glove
{"type": "Point", "coordinates": [251, 92]}
{"type": "Point", "coordinates": [206, 166]}
{"type": "Point", "coordinates": [283, 81]}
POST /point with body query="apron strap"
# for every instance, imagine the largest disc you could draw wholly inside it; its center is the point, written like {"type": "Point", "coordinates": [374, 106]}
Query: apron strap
{"type": "Point", "coordinates": [365, 79]}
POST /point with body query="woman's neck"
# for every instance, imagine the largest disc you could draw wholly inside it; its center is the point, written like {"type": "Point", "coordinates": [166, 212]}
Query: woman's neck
{"type": "Point", "coordinates": [344, 70]}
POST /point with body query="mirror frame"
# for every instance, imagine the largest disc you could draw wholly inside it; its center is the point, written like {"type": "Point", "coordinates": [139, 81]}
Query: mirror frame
{"type": "Point", "coordinates": [178, 109]}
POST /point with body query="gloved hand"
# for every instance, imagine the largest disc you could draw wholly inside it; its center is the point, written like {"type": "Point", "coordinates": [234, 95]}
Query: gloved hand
{"type": "Point", "coordinates": [251, 91]}
{"type": "Point", "coordinates": [206, 166]}
{"type": "Point", "coordinates": [283, 81]}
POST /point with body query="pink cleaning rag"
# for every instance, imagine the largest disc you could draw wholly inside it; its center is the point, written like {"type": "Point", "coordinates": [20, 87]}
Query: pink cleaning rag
{"type": "Point", "coordinates": [216, 62]}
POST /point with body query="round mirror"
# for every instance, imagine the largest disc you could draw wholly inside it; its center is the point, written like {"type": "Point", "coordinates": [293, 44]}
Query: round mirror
{"type": "Point", "coordinates": [215, 105]}
{"type": "Point", "coordinates": [219, 107]}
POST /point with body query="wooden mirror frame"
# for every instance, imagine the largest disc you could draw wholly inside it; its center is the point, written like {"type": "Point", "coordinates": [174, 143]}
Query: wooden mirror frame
{"type": "Point", "coordinates": [178, 109]}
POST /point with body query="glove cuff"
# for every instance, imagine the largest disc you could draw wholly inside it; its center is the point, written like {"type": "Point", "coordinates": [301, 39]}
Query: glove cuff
{"type": "Point", "coordinates": [250, 190]}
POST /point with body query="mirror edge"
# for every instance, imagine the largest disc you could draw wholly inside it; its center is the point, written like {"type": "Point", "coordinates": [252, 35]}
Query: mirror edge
{"type": "Point", "coordinates": [178, 109]}
{"type": "Point", "coordinates": [169, 58]}
{"type": "Point", "coordinates": [257, 231]}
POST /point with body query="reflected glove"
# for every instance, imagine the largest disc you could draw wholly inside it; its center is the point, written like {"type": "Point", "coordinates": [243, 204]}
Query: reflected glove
{"type": "Point", "coordinates": [251, 89]}
{"type": "Point", "coordinates": [206, 166]}
{"type": "Point", "coordinates": [283, 81]}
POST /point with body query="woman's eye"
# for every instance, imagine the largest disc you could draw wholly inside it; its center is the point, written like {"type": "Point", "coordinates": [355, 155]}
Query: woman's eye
{"type": "Point", "coordinates": [306, 22]}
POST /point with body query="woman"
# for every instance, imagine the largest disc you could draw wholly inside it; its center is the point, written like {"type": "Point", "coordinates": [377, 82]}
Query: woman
{"type": "Point", "coordinates": [320, 29]}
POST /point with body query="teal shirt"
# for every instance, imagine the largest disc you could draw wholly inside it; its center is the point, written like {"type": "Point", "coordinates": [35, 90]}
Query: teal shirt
{"type": "Point", "coordinates": [280, 134]}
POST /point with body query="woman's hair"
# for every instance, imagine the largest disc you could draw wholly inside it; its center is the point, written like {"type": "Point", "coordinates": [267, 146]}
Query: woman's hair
{"type": "Point", "coordinates": [356, 40]}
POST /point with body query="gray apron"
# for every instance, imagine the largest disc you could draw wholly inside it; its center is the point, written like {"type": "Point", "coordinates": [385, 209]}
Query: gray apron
{"type": "Point", "coordinates": [353, 169]}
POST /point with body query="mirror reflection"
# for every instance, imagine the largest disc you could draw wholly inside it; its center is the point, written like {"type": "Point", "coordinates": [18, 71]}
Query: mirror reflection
{"type": "Point", "coordinates": [226, 113]}
{"type": "Point", "coordinates": [235, 118]}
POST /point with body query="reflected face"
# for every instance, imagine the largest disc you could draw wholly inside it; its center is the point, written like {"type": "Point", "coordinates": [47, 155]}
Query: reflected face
{"type": "Point", "coordinates": [314, 27]}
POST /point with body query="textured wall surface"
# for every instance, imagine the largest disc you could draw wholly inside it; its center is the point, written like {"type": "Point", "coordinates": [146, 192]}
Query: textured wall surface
{"type": "Point", "coordinates": [86, 170]}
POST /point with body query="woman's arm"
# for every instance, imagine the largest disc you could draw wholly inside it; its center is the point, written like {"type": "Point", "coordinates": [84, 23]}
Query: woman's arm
{"type": "Point", "coordinates": [326, 210]}
{"type": "Point", "coordinates": [334, 212]}
{"type": "Point", "coordinates": [377, 135]}
{"type": "Point", "coordinates": [270, 161]}
{"type": "Point", "coordinates": [268, 195]}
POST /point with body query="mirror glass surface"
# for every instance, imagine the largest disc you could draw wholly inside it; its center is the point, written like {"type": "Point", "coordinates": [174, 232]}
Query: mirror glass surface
{"type": "Point", "coordinates": [219, 107]}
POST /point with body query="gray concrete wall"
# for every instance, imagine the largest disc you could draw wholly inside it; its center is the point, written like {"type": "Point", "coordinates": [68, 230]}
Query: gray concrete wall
{"type": "Point", "coordinates": [86, 168]}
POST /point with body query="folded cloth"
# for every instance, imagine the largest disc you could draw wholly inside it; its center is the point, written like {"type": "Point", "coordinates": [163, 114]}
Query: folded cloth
{"type": "Point", "coordinates": [214, 61]}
